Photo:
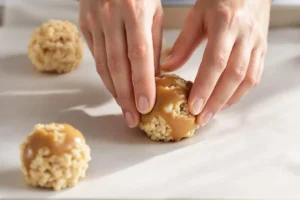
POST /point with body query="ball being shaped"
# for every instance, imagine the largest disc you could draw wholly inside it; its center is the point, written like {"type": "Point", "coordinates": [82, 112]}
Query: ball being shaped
{"type": "Point", "coordinates": [170, 119]}
{"type": "Point", "coordinates": [56, 46]}
{"type": "Point", "coordinates": [54, 156]}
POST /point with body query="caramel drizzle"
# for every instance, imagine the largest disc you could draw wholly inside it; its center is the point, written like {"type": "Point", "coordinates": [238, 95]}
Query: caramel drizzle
{"type": "Point", "coordinates": [41, 139]}
{"type": "Point", "coordinates": [180, 125]}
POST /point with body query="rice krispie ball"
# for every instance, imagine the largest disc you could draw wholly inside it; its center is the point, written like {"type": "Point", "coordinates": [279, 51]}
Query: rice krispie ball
{"type": "Point", "coordinates": [170, 119]}
{"type": "Point", "coordinates": [54, 156]}
{"type": "Point", "coordinates": [56, 46]}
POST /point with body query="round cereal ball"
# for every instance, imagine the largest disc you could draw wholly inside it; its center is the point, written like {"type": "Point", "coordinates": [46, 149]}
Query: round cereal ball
{"type": "Point", "coordinates": [54, 156]}
{"type": "Point", "coordinates": [56, 46]}
{"type": "Point", "coordinates": [170, 119]}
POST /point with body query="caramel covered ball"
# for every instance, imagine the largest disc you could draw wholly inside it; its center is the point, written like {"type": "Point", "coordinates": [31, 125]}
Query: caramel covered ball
{"type": "Point", "coordinates": [56, 46]}
{"type": "Point", "coordinates": [170, 119]}
{"type": "Point", "coordinates": [54, 156]}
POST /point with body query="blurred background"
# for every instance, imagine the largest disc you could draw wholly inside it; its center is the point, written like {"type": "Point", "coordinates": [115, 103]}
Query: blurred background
{"type": "Point", "coordinates": [190, 2]}
{"type": "Point", "coordinates": [284, 12]}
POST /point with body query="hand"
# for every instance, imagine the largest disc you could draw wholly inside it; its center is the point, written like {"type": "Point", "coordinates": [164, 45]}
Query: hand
{"type": "Point", "coordinates": [124, 37]}
{"type": "Point", "coordinates": [234, 55]}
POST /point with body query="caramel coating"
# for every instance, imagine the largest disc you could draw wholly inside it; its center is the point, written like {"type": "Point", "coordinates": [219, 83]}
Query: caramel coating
{"type": "Point", "coordinates": [54, 156]}
{"type": "Point", "coordinates": [56, 46]}
{"type": "Point", "coordinates": [170, 120]}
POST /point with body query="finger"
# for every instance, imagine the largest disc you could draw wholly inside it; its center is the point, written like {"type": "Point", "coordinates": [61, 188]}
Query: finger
{"type": "Point", "coordinates": [84, 24]}
{"type": "Point", "coordinates": [229, 81]}
{"type": "Point", "coordinates": [99, 50]}
{"type": "Point", "coordinates": [118, 66]}
{"type": "Point", "coordinates": [215, 59]}
{"type": "Point", "coordinates": [261, 69]}
{"type": "Point", "coordinates": [140, 53]}
{"type": "Point", "coordinates": [86, 31]}
{"type": "Point", "coordinates": [157, 39]}
{"type": "Point", "coordinates": [188, 40]}
{"type": "Point", "coordinates": [263, 46]}
{"type": "Point", "coordinates": [250, 80]}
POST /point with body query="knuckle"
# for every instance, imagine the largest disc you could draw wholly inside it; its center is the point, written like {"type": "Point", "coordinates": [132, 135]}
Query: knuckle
{"type": "Point", "coordinates": [106, 12]}
{"type": "Point", "coordinates": [219, 61]}
{"type": "Point", "coordinates": [136, 10]}
{"type": "Point", "coordinates": [91, 18]}
{"type": "Point", "coordinates": [259, 36]}
{"type": "Point", "coordinates": [261, 49]}
{"type": "Point", "coordinates": [262, 44]}
{"type": "Point", "coordinates": [227, 15]}
{"type": "Point", "coordinates": [264, 49]}
{"type": "Point", "coordinates": [128, 4]}
{"type": "Point", "coordinates": [115, 63]}
{"type": "Point", "coordinates": [105, 16]}
{"type": "Point", "coordinates": [251, 25]}
{"type": "Point", "coordinates": [250, 81]}
{"type": "Point", "coordinates": [113, 4]}
{"type": "Point", "coordinates": [223, 12]}
{"type": "Point", "coordinates": [238, 73]}
{"type": "Point", "coordinates": [137, 51]}
{"type": "Point", "coordinates": [83, 25]}
{"type": "Point", "coordinates": [134, 19]}
{"type": "Point", "coordinates": [104, 2]}
{"type": "Point", "coordinates": [101, 68]}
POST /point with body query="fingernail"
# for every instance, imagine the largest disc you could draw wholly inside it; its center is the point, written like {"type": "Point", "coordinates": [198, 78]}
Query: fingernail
{"type": "Point", "coordinates": [206, 118]}
{"type": "Point", "coordinates": [225, 106]}
{"type": "Point", "coordinates": [130, 119]}
{"type": "Point", "coordinates": [143, 104]}
{"type": "Point", "coordinates": [197, 106]}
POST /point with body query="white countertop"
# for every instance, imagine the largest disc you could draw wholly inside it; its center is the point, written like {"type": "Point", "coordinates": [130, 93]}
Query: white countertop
{"type": "Point", "coordinates": [251, 150]}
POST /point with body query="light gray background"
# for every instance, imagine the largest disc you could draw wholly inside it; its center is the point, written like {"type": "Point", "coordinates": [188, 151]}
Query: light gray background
{"type": "Point", "coordinates": [190, 2]}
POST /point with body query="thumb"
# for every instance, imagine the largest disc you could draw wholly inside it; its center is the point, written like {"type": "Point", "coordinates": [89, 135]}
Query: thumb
{"type": "Point", "coordinates": [190, 37]}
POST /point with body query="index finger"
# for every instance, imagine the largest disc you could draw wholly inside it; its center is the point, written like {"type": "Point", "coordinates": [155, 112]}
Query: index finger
{"type": "Point", "coordinates": [215, 58]}
{"type": "Point", "coordinates": [141, 56]}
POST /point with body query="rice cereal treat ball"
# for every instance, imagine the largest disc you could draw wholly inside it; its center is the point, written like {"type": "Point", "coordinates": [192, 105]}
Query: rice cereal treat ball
{"type": "Point", "coordinates": [170, 120]}
{"type": "Point", "coordinates": [54, 156]}
{"type": "Point", "coordinates": [56, 46]}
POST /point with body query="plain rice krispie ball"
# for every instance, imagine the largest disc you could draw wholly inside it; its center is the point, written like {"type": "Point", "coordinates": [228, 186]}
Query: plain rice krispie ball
{"type": "Point", "coordinates": [54, 156]}
{"type": "Point", "coordinates": [56, 46]}
{"type": "Point", "coordinates": [170, 120]}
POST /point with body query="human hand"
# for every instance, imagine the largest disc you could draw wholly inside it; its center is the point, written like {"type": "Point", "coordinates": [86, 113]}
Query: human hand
{"type": "Point", "coordinates": [124, 37]}
{"type": "Point", "coordinates": [234, 55]}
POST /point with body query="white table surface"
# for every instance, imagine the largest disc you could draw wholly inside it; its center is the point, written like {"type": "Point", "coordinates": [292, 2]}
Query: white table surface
{"type": "Point", "coordinates": [251, 150]}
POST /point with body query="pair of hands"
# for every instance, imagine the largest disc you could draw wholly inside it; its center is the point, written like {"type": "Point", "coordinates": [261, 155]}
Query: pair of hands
{"type": "Point", "coordinates": [125, 39]}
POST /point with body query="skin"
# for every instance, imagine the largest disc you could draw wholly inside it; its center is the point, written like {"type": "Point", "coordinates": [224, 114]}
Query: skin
{"type": "Point", "coordinates": [125, 38]}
